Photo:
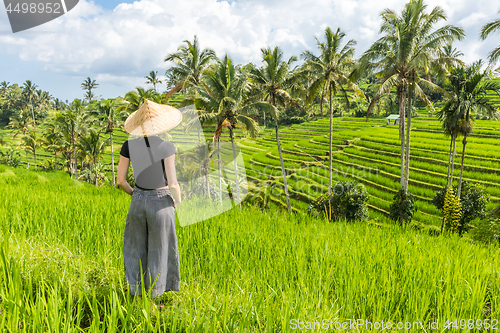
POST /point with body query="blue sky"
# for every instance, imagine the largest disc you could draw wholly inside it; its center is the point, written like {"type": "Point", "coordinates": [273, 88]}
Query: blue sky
{"type": "Point", "coordinates": [117, 43]}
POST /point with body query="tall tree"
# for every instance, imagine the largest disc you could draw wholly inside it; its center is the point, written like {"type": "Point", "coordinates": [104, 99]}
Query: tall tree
{"type": "Point", "coordinates": [486, 30]}
{"type": "Point", "coordinates": [153, 79]}
{"type": "Point", "coordinates": [71, 123]}
{"type": "Point", "coordinates": [134, 99]}
{"type": "Point", "coordinates": [108, 116]}
{"type": "Point", "coordinates": [273, 80]}
{"type": "Point", "coordinates": [189, 63]}
{"type": "Point", "coordinates": [53, 140]}
{"type": "Point", "coordinates": [32, 142]}
{"type": "Point", "coordinates": [93, 147]}
{"type": "Point", "coordinates": [332, 70]}
{"type": "Point", "coordinates": [410, 46]}
{"type": "Point", "coordinates": [29, 91]}
{"type": "Point", "coordinates": [88, 85]}
{"type": "Point", "coordinates": [471, 86]}
{"type": "Point", "coordinates": [222, 95]}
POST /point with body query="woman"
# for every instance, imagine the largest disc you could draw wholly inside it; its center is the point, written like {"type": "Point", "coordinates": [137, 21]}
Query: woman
{"type": "Point", "coordinates": [150, 240]}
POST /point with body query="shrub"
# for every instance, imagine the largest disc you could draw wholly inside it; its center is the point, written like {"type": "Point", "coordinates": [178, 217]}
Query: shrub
{"type": "Point", "coordinates": [488, 229]}
{"type": "Point", "coordinates": [473, 201]}
{"type": "Point", "coordinates": [11, 158]}
{"type": "Point", "coordinates": [403, 204]}
{"type": "Point", "coordinates": [348, 200]}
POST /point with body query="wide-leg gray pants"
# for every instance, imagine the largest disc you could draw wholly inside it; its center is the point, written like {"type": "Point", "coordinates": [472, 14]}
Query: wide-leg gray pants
{"type": "Point", "coordinates": [150, 239]}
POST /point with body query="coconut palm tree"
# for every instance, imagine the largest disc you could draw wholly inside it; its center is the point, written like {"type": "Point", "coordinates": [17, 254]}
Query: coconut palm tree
{"type": "Point", "coordinates": [4, 85]}
{"type": "Point", "coordinates": [410, 46]}
{"type": "Point", "coordinates": [31, 143]}
{"type": "Point", "coordinates": [273, 80]}
{"type": "Point", "coordinates": [134, 99]}
{"type": "Point", "coordinates": [332, 70]}
{"type": "Point", "coordinates": [222, 95]}
{"type": "Point", "coordinates": [53, 140]}
{"type": "Point", "coordinates": [190, 62]}
{"type": "Point", "coordinates": [108, 117]}
{"type": "Point", "coordinates": [471, 87]}
{"type": "Point", "coordinates": [89, 85]}
{"type": "Point", "coordinates": [93, 147]}
{"type": "Point", "coordinates": [153, 79]}
{"type": "Point", "coordinates": [71, 123]}
{"type": "Point", "coordinates": [21, 123]}
{"type": "Point", "coordinates": [29, 91]}
{"type": "Point", "coordinates": [488, 29]}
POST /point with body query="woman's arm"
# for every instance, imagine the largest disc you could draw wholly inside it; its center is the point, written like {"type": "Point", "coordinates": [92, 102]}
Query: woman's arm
{"type": "Point", "coordinates": [121, 177]}
{"type": "Point", "coordinates": [173, 185]}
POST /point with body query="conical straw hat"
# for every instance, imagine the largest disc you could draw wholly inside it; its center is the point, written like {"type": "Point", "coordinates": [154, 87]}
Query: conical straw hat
{"type": "Point", "coordinates": [152, 118]}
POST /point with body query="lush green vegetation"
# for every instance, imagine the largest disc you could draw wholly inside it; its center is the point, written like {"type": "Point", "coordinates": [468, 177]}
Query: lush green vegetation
{"type": "Point", "coordinates": [61, 267]}
{"type": "Point", "coordinates": [300, 133]}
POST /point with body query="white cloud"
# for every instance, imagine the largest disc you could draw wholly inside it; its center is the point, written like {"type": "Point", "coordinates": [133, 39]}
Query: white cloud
{"type": "Point", "coordinates": [124, 44]}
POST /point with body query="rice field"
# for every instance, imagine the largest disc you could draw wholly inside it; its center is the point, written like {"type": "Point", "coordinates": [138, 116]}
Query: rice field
{"type": "Point", "coordinates": [369, 153]}
{"type": "Point", "coordinates": [61, 267]}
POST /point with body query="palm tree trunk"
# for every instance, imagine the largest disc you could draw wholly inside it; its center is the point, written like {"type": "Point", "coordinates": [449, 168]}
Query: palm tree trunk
{"type": "Point", "coordinates": [408, 129]}
{"type": "Point", "coordinates": [264, 119]}
{"type": "Point", "coordinates": [235, 169]}
{"type": "Point", "coordinates": [402, 95]}
{"type": "Point", "coordinates": [330, 145]}
{"type": "Point", "coordinates": [449, 162]}
{"type": "Point", "coordinates": [95, 172]}
{"type": "Point", "coordinates": [34, 156]}
{"type": "Point", "coordinates": [33, 113]}
{"type": "Point", "coordinates": [76, 162]}
{"type": "Point", "coordinates": [283, 171]}
{"type": "Point", "coordinates": [453, 160]}
{"type": "Point", "coordinates": [321, 100]}
{"type": "Point", "coordinates": [219, 166]}
{"type": "Point", "coordinates": [112, 158]}
{"type": "Point", "coordinates": [459, 190]}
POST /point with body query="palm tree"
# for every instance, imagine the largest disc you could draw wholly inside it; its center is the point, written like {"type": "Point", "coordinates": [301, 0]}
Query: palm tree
{"type": "Point", "coordinates": [21, 122]}
{"type": "Point", "coordinates": [89, 85]}
{"type": "Point", "coordinates": [471, 89]}
{"type": "Point", "coordinates": [53, 140]}
{"type": "Point", "coordinates": [107, 113]}
{"type": "Point", "coordinates": [332, 70]}
{"type": "Point", "coordinates": [71, 123]}
{"type": "Point", "coordinates": [31, 143]}
{"type": "Point", "coordinates": [272, 80]}
{"type": "Point", "coordinates": [409, 46]}
{"type": "Point", "coordinates": [488, 29]}
{"type": "Point", "coordinates": [199, 159]}
{"type": "Point", "coordinates": [153, 79]}
{"type": "Point", "coordinates": [93, 147]}
{"type": "Point", "coordinates": [58, 104]}
{"type": "Point", "coordinates": [190, 62]}
{"type": "Point", "coordinates": [134, 99]}
{"type": "Point", "coordinates": [4, 85]}
{"type": "Point", "coordinates": [222, 95]}
{"type": "Point", "coordinates": [29, 90]}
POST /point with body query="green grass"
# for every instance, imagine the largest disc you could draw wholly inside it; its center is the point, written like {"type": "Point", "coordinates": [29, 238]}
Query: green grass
{"type": "Point", "coordinates": [61, 267]}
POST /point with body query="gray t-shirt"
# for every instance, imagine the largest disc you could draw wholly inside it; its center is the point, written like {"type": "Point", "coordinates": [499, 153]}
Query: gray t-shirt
{"type": "Point", "coordinates": [146, 155]}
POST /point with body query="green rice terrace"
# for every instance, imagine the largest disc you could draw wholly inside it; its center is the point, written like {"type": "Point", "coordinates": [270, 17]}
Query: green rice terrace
{"type": "Point", "coordinates": [367, 152]}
